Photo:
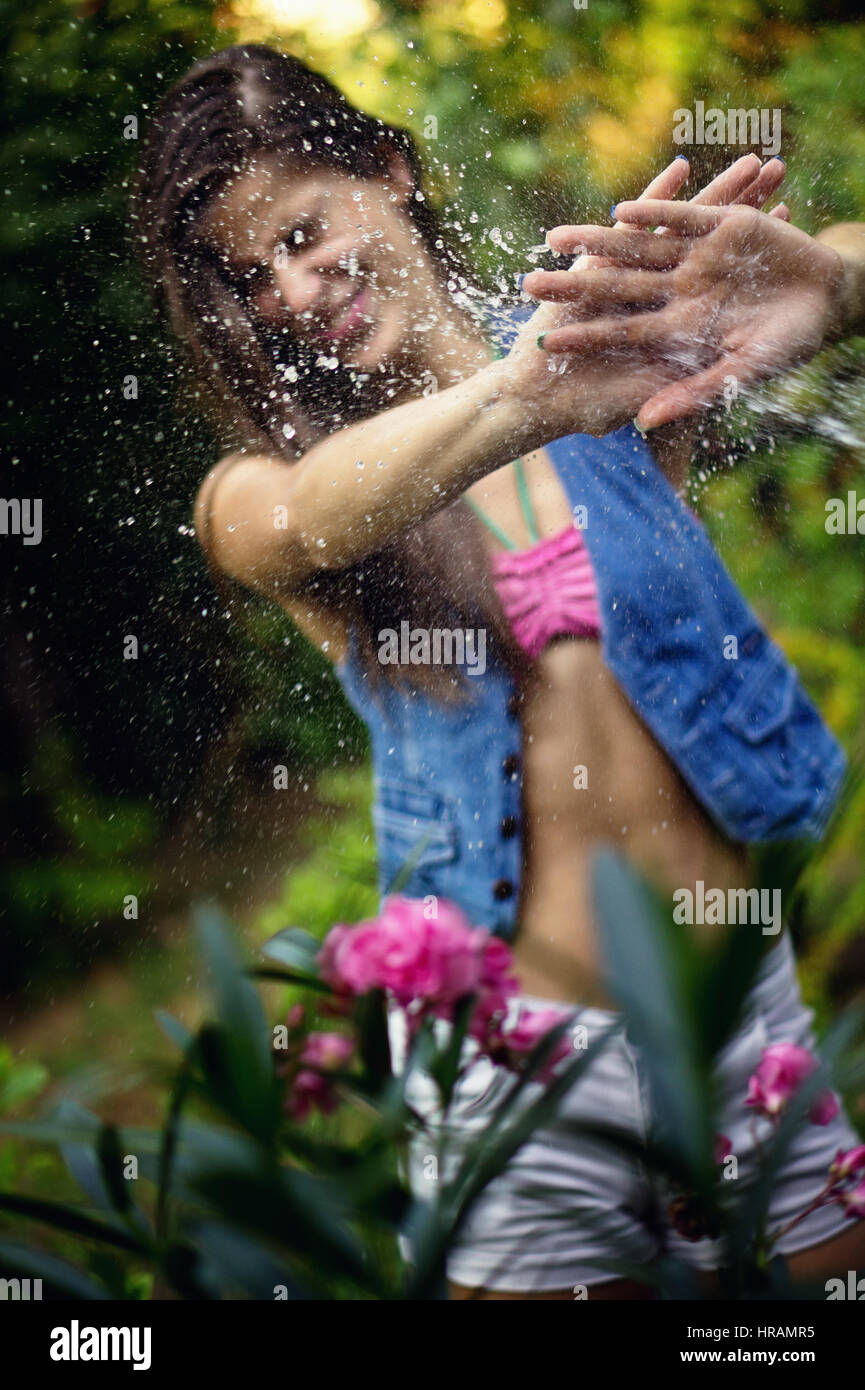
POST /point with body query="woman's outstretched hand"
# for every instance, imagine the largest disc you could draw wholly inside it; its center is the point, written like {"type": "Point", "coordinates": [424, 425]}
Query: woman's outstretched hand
{"type": "Point", "coordinates": [724, 294]}
{"type": "Point", "coordinates": [616, 375]}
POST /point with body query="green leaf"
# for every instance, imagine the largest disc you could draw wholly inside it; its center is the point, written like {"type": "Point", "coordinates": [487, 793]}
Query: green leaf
{"type": "Point", "coordinates": [652, 971]}
{"type": "Point", "coordinates": [306, 1215]}
{"type": "Point", "coordinates": [80, 1158]}
{"type": "Point", "coordinates": [168, 1147]}
{"type": "Point", "coordinates": [235, 1262]}
{"type": "Point", "coordinates": [64, 1132]}
{"type": "Point", "coordinates": [236, 1052]}
{"type": "Point", "coordinates": [287, 977]}
{"type": "Point", "coordinates": [19, 1081]}
{"type": "Point", "coordinates": [297, 949]}
{"type": "Point", "coordinates": [370, 1015]}
{"type": "Point", "coordinates": [173, 1029]}
{"type": "Point", "coordinates": [61, 1217]}
{"type": "Point", "coordinates": [111, 1165]}
{"type": "Point", "coordinates": [445, 1065]}
{"type": "Point", "coordinates": [725, 978]}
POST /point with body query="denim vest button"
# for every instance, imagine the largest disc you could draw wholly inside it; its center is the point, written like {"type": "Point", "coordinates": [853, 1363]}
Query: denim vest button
{"type": "Point", "coordinates": [502, 889]}
{"type": "Point", "coordinates": [511, 764]}
{"type": "Point", "coordinates": [508, 827]}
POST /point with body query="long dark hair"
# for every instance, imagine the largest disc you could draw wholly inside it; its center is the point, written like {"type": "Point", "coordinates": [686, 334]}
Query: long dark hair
{"type": "Point", "coordinates": [249, 100]}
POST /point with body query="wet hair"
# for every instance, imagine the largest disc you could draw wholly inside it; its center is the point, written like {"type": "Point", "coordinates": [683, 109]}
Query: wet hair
{"type": "Point", "coordinates": [245, 102]}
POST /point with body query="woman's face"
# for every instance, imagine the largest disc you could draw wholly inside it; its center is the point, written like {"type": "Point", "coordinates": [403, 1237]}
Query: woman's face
{"type": "Point", "coordinates": [335, 259]}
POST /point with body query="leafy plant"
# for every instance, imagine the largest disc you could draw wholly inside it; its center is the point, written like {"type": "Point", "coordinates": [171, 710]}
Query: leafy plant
{"type": "Point", "coordinates": [239, 1201]}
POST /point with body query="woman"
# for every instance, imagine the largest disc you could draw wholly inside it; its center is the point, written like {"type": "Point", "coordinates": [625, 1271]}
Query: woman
{"type": "Point", "coordinates": [373, 484]}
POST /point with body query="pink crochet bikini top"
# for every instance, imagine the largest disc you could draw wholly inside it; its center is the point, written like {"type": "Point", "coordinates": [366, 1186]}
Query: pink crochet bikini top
{"type": "Point", "coordinates": [549, 589]}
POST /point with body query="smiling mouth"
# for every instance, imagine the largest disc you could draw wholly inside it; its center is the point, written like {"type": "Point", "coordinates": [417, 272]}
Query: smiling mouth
{"type": "Point", "coordinates": [350, 319]}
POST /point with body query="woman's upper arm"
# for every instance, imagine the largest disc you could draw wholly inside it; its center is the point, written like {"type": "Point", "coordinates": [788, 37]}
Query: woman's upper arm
{"type": "Point", "coordinates": [246, 522]}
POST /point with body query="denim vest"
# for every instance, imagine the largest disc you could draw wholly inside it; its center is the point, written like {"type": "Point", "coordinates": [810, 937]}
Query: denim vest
{"type": "Point", "coordinates": [742, 732]}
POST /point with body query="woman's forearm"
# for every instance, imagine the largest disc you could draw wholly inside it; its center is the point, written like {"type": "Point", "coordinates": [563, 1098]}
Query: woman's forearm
{"type": "Point", "coordinates": [271, 524]}
{"type": "Point", "coordinates": [360, 488]}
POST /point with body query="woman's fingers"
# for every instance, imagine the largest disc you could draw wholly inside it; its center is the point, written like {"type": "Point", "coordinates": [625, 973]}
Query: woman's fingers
{"type": "Point", "coordinates": [644, 334]}
{"type": "Point", "coordinates": [729, 186]}
{"type": "Point", "coordinates": [781, 211]}
{"type": "Point", "coordinates": [746, 182]}
{"type": "Point", "coordinates": [670, 180]}
{"type": "Point", "coordinates": [638, 249]}
{"type": "Point", "coordinates": [765, 185]}
{"type": "Point", "coordinates": [605, 286]}
{"type": "Point", "coordinates": [608, 241]}
{"type": "Point", "coordinates": [665, 185]}
{"type": "Point", "coordinates": [685, 219]}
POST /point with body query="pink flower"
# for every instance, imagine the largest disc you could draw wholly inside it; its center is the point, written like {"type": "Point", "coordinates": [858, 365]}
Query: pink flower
{"type": "Point", "coordinates": [511, 1046]}
{"type": "Point", "coordinates": [426, 965]}
{"type": "Point", "coordinates": [781, 1071]}
{"type": "Point", "coordinates": [848, 1164]}
{"type": "Point", "coordinates": [496, 985]}
{"type": "Point", "coordinates": [723, 1148]}
{"type": "Point", "coordinates": [328, 1051]}
{"type": "Point", "coordinates": [311, 1089]}
{"type": "Point", "coordinates": [343, 962]}
{"type": "Point", "coordinates": [824, 1109]}
{"type": "Point", "coordinates": [853, 1201]}
{"type": "Point", "coordinates": [420, 960]}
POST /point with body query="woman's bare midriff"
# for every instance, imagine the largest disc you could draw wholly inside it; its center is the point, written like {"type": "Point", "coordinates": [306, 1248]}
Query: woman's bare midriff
{"type": "Point", "coordinates": [593, 776]}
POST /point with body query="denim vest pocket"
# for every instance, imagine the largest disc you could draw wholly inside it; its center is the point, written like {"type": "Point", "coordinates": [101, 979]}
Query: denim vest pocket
{"type": "Point", "coordinates": [405, 816]}
{"type": "Point", "coordinates": [775, 766]}
{"type": "Point", "coordinates": [765, 701]}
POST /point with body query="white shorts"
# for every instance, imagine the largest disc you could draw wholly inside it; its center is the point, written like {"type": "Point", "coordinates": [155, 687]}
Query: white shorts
{"type": "Point", "coordinates": [566, 1205]}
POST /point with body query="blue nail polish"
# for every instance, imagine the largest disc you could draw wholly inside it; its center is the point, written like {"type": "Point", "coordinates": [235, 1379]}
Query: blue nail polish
{"type": "Point", "coordinates": [613, 209]}
{"type": "Point", "coordinates": [540, 340]}
{"type": "Point", "coordinates": [682, 156]}
{"type": "Point", "coordinates": [520, 279]}
{"type": "Point", "coordinates": [780, 160]}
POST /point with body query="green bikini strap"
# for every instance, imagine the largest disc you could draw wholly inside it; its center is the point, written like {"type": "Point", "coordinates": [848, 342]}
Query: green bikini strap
{"type": "Point", "coordinates": [496, 530]}
{"type": "Point", "coordinates": [525, 500]}
{"type": "Point", "coordinates": [525, 503]}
